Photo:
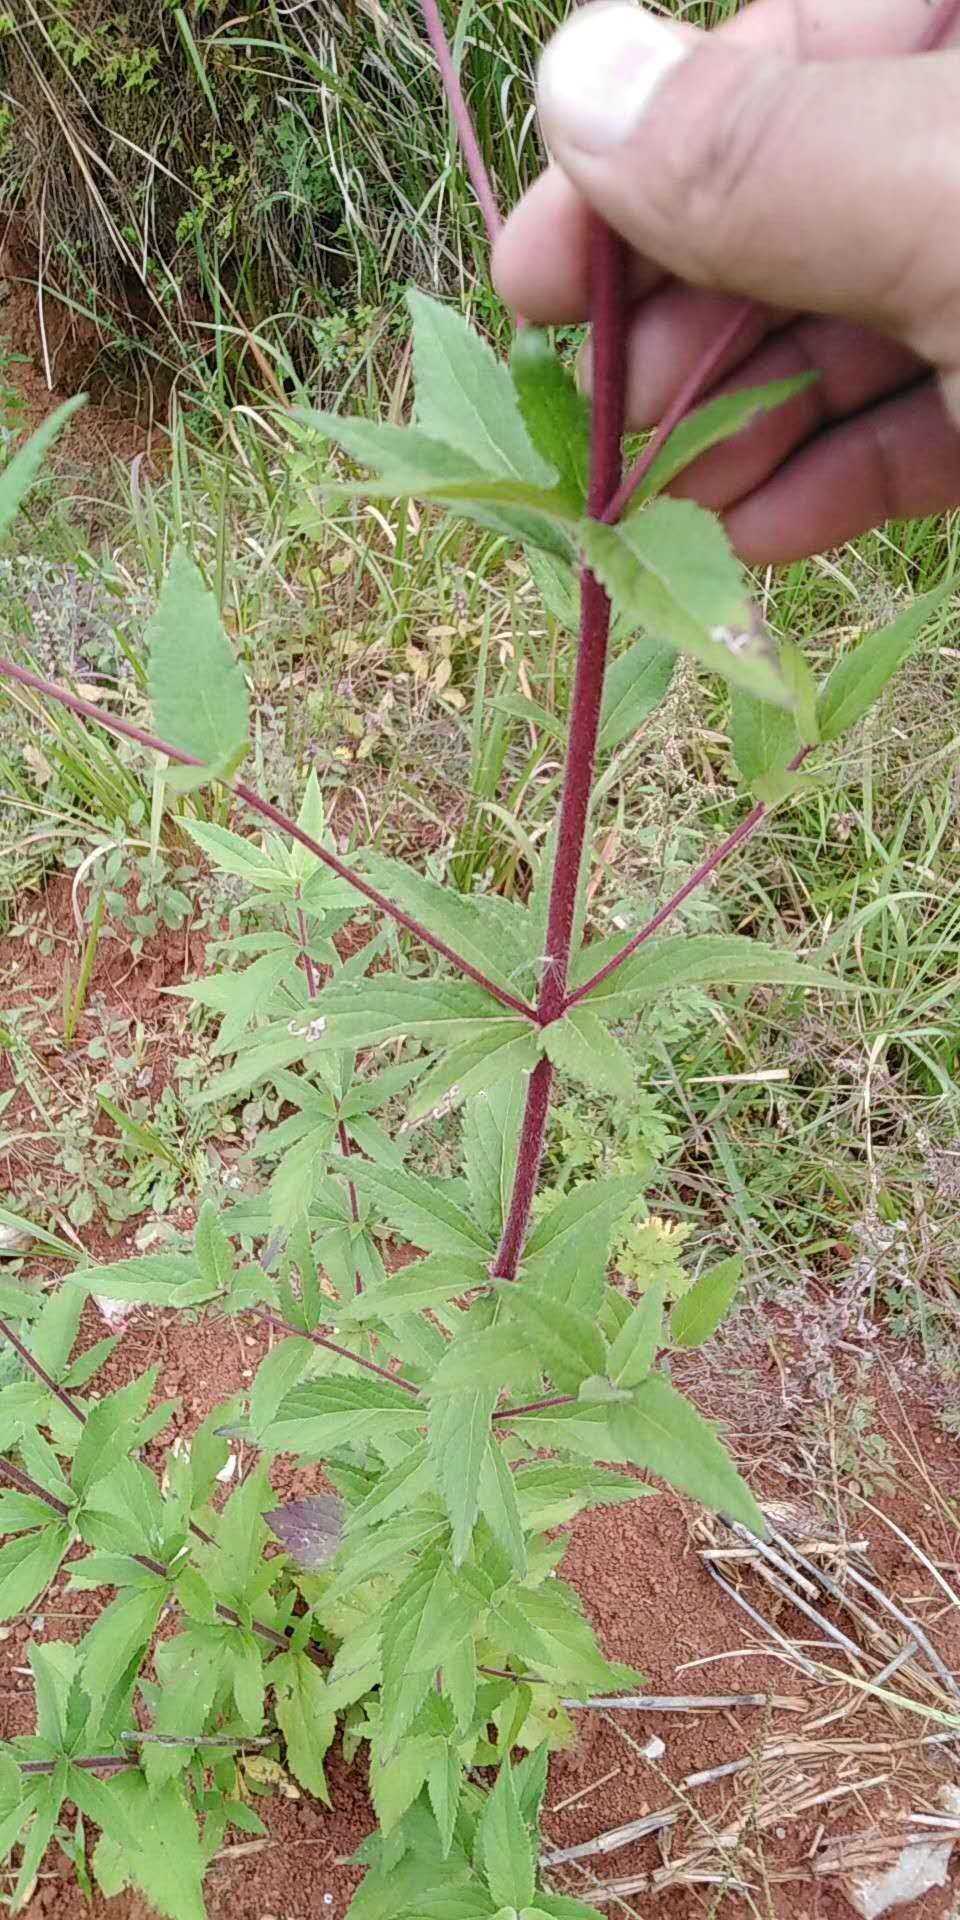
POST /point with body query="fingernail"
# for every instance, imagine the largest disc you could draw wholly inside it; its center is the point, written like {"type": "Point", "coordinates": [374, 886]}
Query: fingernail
{"type": "Point", "coordinates": [601, 71]}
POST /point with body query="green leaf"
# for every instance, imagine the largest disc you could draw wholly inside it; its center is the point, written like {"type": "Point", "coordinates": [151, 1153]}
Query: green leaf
{"type": "Point", "coordinates": [307, 1723]}
{"type": "Point", "coordinates": [213, 1250]}
{"type": "Point", "coordinates": [419, 1210]}
{"type": "Point", "coordinates": [465, 396]}
{"type": "Point", "coordinates": [695, 960]}
{"type": "Point", "coordinates": [505, 1845]}
{"type": "Point", "coordinates": [120, 1634]}
{"type": "Point", "coordinates": [799, 677]}
{"type": "Point", "coordinates": [716, 421]}
{"type": "Point", "coordinates": [636, 683]}
{"type": "Point", "coordinates": [475, 926]}
{"type": "Point", "coordinates": [27, 1566]}
{"type": "Point", "coordinates": [168, 1865]}
{"type": "Point", "coordinates": [555, 414]}
{"type": "Point", "coordinates": [235, 854]}
{"type": "Point", "coordinates": [671, 571]}
{"type": "Point", "coordinates": [490, 1135]}
{"type": "Point", "coordinates": [277, 1374]}
{"type": "Point", "coordinates": [152, 1281]}
{"type": "Point", "coordinates": [580, 1044]}
{"type": "Point", "coordinates": [660, 1430]}
{"type": "Point", "coordinates": [338, 1412]}
{"type": "Point", "coordinates": [367, 1013]}
{"type": "Point", "coordinates": [595, 1205]}
{"type": "Point", "coordinates": [429, 1615]}
{"type": "Point", "coordinates": [763, 738]}
{"type": "Point", "coordinates": [558, 585]}
{"type": "Point", "coordinates": [34, 1844]}
{"type": "Point", "coordinates": [426, 1283]}
{"type": "Point", "coordinates": [112, 1427]}
{"type": "Point", "coordinates": [55, 1329]}
{"type": "Point", "coordinates": [567, 1344]}
{"type": "Point", "coordinates": [636, 1346]}
{"type": "Point", "coordinates": [860, 675]}
{"type": "Point", "coordinates": [444, 1782]}
{"type": "Point", "coordinates": [499, 1505]}
{"type": "Point", "coordinates": [396, 1782]}
{"type": "Point", "coordinates": [21, 471]}
{"type": "Point", "coordinates": [492, 1357]}
{"type": "Point", "coordinates": [506, 1050]}
{"type": "Point", "coordinates": [458, 1432]}
{"type": "Point", "coordinates": [198, 691]}
{"type": "Point", "coordinates": [698, 1312]}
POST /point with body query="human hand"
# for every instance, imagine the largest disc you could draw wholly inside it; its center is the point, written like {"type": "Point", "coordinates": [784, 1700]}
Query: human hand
{"type": "Point", "coordinates": [806, 157]}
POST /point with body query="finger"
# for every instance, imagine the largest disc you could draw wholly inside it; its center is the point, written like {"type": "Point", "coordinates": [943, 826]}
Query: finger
{"type": "Point", "coordinates": [855, 369]}
{"type": "Point", "coordinates": [748, 174]}
{"type": "Point", "coordinates": [853, 30]}
{"type": "Point", "coordinates": [669, 335]}
{"type": "Point", "coordinates": [894, 462]}
{"type": "Point", "coordinates": [540, 256]}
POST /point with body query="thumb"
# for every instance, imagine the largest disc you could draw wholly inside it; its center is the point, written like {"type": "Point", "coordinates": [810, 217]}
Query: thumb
{"type": "Point", "coordinates": [823, 187]}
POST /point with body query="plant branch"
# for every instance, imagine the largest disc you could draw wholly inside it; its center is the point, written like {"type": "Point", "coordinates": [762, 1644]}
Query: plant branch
{"type": "Point", "coordinates": [470, 145]}
{"type": "Point", "coordinates": [608, 272]}
{"type": "Point", "coordinates": [9, 670]}
{"type": "Point", "coordinates": [698, 877]}
{"type": "Point", "coordinates": [320, 1340]}
{"type": "Point", "coordinates": [29, 1359]}
{"type": "Point", "coordinates": [685, 398]}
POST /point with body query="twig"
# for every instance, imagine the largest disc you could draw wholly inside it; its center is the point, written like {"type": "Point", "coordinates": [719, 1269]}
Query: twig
{"type": "Point", "coordinates": [693, 1703]}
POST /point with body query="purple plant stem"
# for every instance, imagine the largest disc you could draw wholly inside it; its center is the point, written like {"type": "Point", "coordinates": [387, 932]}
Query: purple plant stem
{"type": "Point", "coordinates": [608, 275]}
{"type": "Point", "coordinates": [267, 811]}
{"type": "Point", "coordinates": [470, 145]}
{"type": "Point", "coordinates": [947, 17]}
{"type": "Point", "coordinates": [89, 1763]}
{"type": "Point", "coordinates": [59, 1393]}
{"type": "Point", "coordinates": [747, 827]}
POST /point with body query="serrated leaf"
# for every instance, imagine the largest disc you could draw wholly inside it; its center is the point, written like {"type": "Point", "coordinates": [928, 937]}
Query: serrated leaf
{"type": "Point", "coordinates": [475, 926]}
{"type": "Point", "coordinates": [121, 1632]}
{"type": "Point", "coordinates": [427, 1616]}
{"type": "Point", "coordinates": [277, 1374]}
{"type": "Point", "coordinates": [306, 1720]}
{"type": "Point", "coordinates": [420, 1210]}
{"type": "Point", "coordinates": [490, 1136]}
{"type": "Point", "coordinates": [491, 1358]}
{"type": "Point", "coordinates": [763, 738]}
{"type": "Point", "coordinates": [458, 1432]}
{"type": "Point", "coordinates": [464, 394]}
{"type": "Point", "coordinates": [112, 1427]}
{"type": "Point", "coordinates": [861, 674]}
{"type": "Point", "coordinates": [150, 1281]}
{"type": "Point", "coordinates": [444, 1780]}
{"type": "Point", "coordinates": [55, 1328]}
{"type": "Point", "coordinates": [636, 1346]}
{"type": "Point", "coordinates": [699, 1311]}
{"type": "Point", "coordinates": [213, 1250]}
{"type": "Point", "coordinates": [595, 1206]}
{"type": "Point", "coordinates": [567, 1344]}
{"type": "Point", "coordinates": [27, 1566]}
{"type": "Point", "coordinates": [555, 414]}
{"type": "Point", "coordinates": [197, 689]}
{"type": "Point", "coordinates": [500, 1507]}
{"type": "Point", "coordinates": [233, 853]}
{"type": "Point", "coordinates": [660, 1430]}
{"type": "Point", "coordinates": [508, 1050]}
{"type": "Point", "coordinates": [426, 1283]}
{"type": "Point", "coordinates": [338, 1412]}
{"type": "Point", "coordinates": [368, 1013]}
{"type": "Point", "coordinates": [580, 1044]}
{"type": "Point", "coordinates": [396, 1781]}
{"type": "Point", "coordinates": [22, 469]}
{"type": "Point", "coordinates": [696, 960]}
{"type": "Point", "coordinates": [505, 1844]}
{"type": "Point", "coordinates": [717, 421]}
{"type": "Point", "coordinates": [635, 684]}
{"type": "Point", "coordinates": [168, 1865]}
{"type": "Point", "coordinates": [671, 570]}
